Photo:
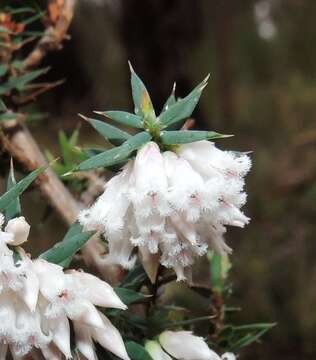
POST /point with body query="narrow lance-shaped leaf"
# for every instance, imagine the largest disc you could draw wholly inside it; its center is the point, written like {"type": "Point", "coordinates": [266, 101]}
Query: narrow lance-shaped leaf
{"type": "Point", "coordinates": [171, 99]}
{"type": "Point", "coordinates": [19, 82]}
{"type": "Point", "coordinates": [183, 108]}
{"type": "Point", "coordinates": [137, 351]}
{"type": "Point", "coordinates": [109, 132]}
{"type": "Point", "coordinates": [130, 296]}
{"type": "Point", "coordinates": [142, 101]}
{"type": "Point", "coordinates": [123, 117]}
{"type": "Point", "coordinates": [116, 155]}
{"type": "Point", "coordinates": [188, 136]}
{"type": "Point", "coordinates": [66, 248]}
{"type": "Point", "coordinates": [7, 198]}
{"type": "Point", "coordinates": [14, 209]}
{"type": "Point", "coordinates": [75, 229]}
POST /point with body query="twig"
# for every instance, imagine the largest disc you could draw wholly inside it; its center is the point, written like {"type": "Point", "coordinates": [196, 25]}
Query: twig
{"type": "Point", "coordinates": [53, 36]}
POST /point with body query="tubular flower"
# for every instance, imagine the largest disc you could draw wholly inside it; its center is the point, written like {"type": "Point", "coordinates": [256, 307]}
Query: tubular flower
{"type": "Point", "coordinates": [176, 204]}
{"type": "Point", "coordinates": [38, 300]}
{"type": "Point", "coordinates": [182, 345]}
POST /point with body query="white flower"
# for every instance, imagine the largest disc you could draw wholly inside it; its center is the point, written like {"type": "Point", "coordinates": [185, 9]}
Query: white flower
{"type": "Point", "coordinates": [228, 356]}
{"type": "Point", "coordinates": [175, 205]}
{"type": "Point", "coordinates": [183, 345]}
{"type": "Point", "coordinates": [38, 300]}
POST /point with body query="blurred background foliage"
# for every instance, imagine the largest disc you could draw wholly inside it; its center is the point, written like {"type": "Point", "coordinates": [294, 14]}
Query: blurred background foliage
{"type": "Point", "coordinates": [262, 89]}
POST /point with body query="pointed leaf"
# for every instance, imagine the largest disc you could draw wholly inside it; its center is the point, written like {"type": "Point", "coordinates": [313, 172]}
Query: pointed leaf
{"type": "Point", "coordinates": [129, 296]}
{"type": "Point", "coordinates": [137, 351]}
{"type": "Point", "coordinates": [142, 101]}
{"type": "Point", "coordinates": [171, 99]}
{"type": "Point", "coordinates": [116, 155]}
{"type": "Point", "coordinates": [75, 229]}
{"type": "Point", "coordinates": [66, 248]}
{"type": "Point", "coordinates": [183, 108]}
{"type": "Point", "coordinates": [19, 82]}
{"type": "Point", "coordinates": [109, 132]}
{"type": "Point", "coordinates": [14, 209]}
{"type": "Point", "coordinates": [124, 118]}
{"type": "Point", "coordinates": [7, 198]}
{"type": "Point", "coordinates": [188, 136]}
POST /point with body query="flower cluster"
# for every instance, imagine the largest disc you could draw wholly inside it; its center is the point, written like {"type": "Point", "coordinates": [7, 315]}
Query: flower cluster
{"type": "Point", "coordinates": [182, 345]}
{"type": "Point", "coordinates": [176, 204]}
{"type": "Point", "coordinates": [38, 300]}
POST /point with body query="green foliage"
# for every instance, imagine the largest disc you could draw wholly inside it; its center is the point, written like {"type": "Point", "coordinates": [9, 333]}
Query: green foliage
{"type": "Point", "coordinates": [183, 108]}
{"type": "Point", "coordinates": [111, 133]}
{"type": "Point", "coordinates": [124, 118]}
{"type": "Point", "coordinates": [174, 112]}
{"type": "Point", "coordinates": [188, 136]}
{"type": "Point", "coordinates": [62, 252]}
{"type": "Point", "coordinates": [14, 208]}
{"type": "Point", "coordinates": [130, 296]}
{"type": "Point", "coordinates": [16, 190]}
{"type": "Point", "coordinates": [116, 155]}
{"type": "Point", "coordinates": [234, 338]}
{"type": "Point", "coordinates": [137, 351]}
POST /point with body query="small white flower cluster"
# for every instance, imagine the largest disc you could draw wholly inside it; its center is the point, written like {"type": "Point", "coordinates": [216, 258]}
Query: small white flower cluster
{"type": "Point", "coordinates": [38, 300]}
{"type": "Point", "coordinates": [182, 345]}
{"type": "Point", "coordinates": [173, 203]}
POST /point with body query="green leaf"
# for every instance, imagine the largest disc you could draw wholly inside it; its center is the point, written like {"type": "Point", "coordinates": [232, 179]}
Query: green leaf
{"type": "Point", "coordinates": [188, 136]}
{"type": "Point", "coordinates": [123, 117]}
{"type": "Point", "coordinates": [75, 229]}
{"type": "Point", "coordinates": [14, 209]}
{"type": "Point", "coordinates": [136, 351]}
{"type": "Point", "coordinates": [171, 99]}
{"type": "Point", "coordinates": [116, 155]}
{"type": "Point", "coordinates": [134, 278]}
{"type": "Point", "coordinates": [3, 69]}
{"type": "Point", "coordinates": [109, 132]}
{"type": "Point", "coordinates": [2, 106]}
{"type": "Point", "coordinates": [66, 249]}
{"type": "Point", "coordinates": [7, 198]}
{"type": "Point", "coordinates": [19, 82]}
{"type": "Point", "coordinates": [33, 18]}
{"type": "Point", "coordinates": [129, 296]}
{"type": "Point", "coordinates": [183, 108]}
{"type": "Point", "coordinates": [142, 101]}
{"type": "Point", "coordinates": [8, 116]}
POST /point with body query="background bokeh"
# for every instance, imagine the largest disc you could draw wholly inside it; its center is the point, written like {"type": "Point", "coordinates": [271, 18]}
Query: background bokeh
{"type": "Point", "coordinates": [262, 60]}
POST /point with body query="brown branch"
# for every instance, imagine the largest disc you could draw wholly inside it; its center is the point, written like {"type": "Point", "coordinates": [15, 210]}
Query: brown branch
{"type": "Point", "coordinates": [53, 36]}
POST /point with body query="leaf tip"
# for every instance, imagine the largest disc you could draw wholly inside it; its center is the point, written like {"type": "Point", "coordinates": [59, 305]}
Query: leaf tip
{"type": "Point", "coordinates": [131, 67]}
{"type": "Point", "coordinates": [83, 117]}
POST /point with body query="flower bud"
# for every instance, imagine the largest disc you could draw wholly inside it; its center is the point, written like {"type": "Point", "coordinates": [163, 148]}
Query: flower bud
{"type": "Point", "coordinates": [186, 346]}
{"type": "Point", "coordinates": [20, 229]}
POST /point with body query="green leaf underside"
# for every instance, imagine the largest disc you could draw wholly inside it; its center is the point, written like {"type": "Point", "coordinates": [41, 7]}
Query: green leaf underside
{"type": "Point", "coordinates": [129, 296]}
{"type": "Point", "coordinates": [183, 108]}
{"type": "Point", "coordinates": [116, 155]}
{"type": "Point", "coordinates": [109, 132]}
{"type": "Point", "coordinates": [188, 136]}
{"type": "Point", "coordinates": [7, 198]}
{"type": "Point", "coordinates": [124, 118]}
{"type": "Point", "coordinates": [14, 209]}
{"type": "Point", "coordinates": [136, 351]}
{"type": "Point", "coordinates": [141, 98]}
{"type": "Point", "coordinates": [67, 248]}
